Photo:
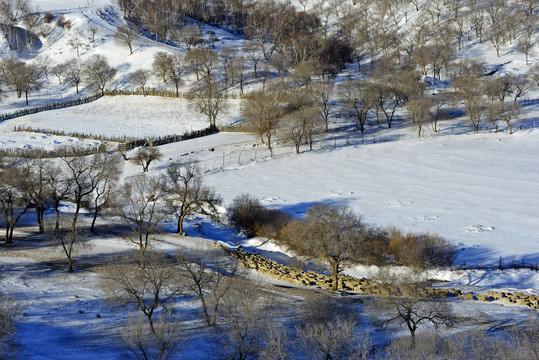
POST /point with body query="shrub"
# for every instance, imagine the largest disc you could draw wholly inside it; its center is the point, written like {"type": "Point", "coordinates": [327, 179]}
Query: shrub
{"type": "Point", "coordinates": [60, 22]}
{"type": "Point", "coordinates": [63, 22]}
{"type": "Point", "coordinates": [48, 17]}
{"type": "Point", "coordinates": [421, 249]}
{"type": "Point", "coordinates": [247, 215]}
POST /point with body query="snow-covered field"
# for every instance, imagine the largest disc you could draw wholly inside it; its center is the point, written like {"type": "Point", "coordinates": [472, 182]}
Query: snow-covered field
{"type": "Point", "coordinates": [114, 117]}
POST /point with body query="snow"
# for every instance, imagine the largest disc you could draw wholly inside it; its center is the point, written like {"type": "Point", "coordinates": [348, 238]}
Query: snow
{"type": "Point", "coordinates": [479, 191]}
{"type": "Point", "coordinates": [119, 117]}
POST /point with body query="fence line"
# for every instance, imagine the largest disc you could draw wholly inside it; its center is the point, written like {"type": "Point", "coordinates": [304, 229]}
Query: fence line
{"type": "Point", "coordinates": [53, 106]}
{"type": "Point", "coordinates": [162, 93]}
{"type": "Point", "coordinates": [162, 140]}
{"type": "Point", "coordinates": [67, 151]}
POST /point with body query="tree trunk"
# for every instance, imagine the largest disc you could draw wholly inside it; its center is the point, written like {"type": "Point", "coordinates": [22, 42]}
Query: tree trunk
{"type": "Point", "coordinates": [92, 227]}
{"type": "Point", "coordinates": [39, 214]}
{"type": "Point", "coordinates": [11, 233]}
{"type": "Point", "coordinates": [412, 338]}
{"type": "Point", "coordinates": [57, 224]}
{"type": "Point", "coordinates": [180, 223]}
{"type": "Point", "coordinates": [7, 239]}
{"type": "Point", "coordinates": [150, 322]}
{"type": "Point", "coordinates": [334, 275]}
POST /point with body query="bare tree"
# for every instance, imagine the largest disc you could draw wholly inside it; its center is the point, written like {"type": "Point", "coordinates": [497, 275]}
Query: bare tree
{"type": "Point", "coordinates": [186, 193]}
{"type": "Point", "coordinates": [59, 71]}
{"type": "Point", "coordinates": [439, 103]}
{"type": "Point", "coordinates": [238, 69]}
{"type": "Point", "coordinates": [140, 77]}
{"type": "Point", "coordinates": [145, 155]}
{"type": "Point", "coordinates": [204, 63]}
{"type": "Point", "coordinates": [507, 114]}
{"type": "Point", "coordinates": [419, 108]}
{"type": "Point", "coordinates": [60, 186]}
{"type": "Point", "coordinates": [159, 65]}
{"type": "Point", "coordinates": [278, 344]}
{"type": "Point", "coordinates": [227, 55]}
{"type": "Point", "coordinates": [164, 344]}
{"type": "Point", "coordinates": [33, 183]}
{"type": "Point", "coordinates": [301, 123]}
{"type": "Point", "coordinates": [44, 62]}
{"type": "Point", "coordinates": [128, 7]}
{"type": "Point", "coordinates": [141, 210]}
{"type": "Point", "coordinates": [101, 198]}
{"type": "Point", "coordinates": [496, 89]}
{"type": "Point", "coordinates": [24, 77]}
{"type": "Point", "coordinates": [13, 204]}
{"type": "Point", "coordinates": [355, 95]}
{"type": "Point", "coordinates": [209, 276]}
{"type": "Point", "coordinates": [10, 310]}
{"type": "Point", "coordinates": [126, 34]}
{"type": "Point", "coordinates": [262, 110]}
{"type": "Point", "coordinates": [209, 99]}
{"type": "Point", "coordinates": [260, 28]}
{"type": "Point", "coordinates": [74, 71]}
{"type": "Point", "coordinates": [170, 67]}
{"type": "Point", "coordinates": [76, 40]}
{"type": "Point", "coordinates": [68, 238]}
{"type": "Point", "coordinates": [191, 36]}
{"type": "Point", "coordinates": [253, 54]}
{"type": "Point", "coordinates": [525, 42]}
{"type": "Point", "coordinates": [329, 330]}
{"type": "Point", "coordinates": [521, 85]}
{"type": "Point", "coordinates": [292, 129]}
{"type": "Point", "coordinates": [470, 90]}
{"type": "Point", "coordinates": [149, 288]}
{"type": "Point", "coordinates": [246, 313]}
{"type": "Point", "coordinates": [98, 72]}
{"type": "Point", "coordinates": [92, 29]}
{"type": "Point", "coordinates": [534, 74]}
{"type": "Point", "coordinates": [403, 304]}
{"type": "Point", "coordinates": [330, 233]}
{"type": "Point", "coordinates": [86, 173]}
{"type": "Point", "coordinates": [323, 92]}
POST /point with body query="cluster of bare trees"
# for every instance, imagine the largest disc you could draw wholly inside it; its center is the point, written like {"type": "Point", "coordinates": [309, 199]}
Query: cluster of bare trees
{"type": "Point", "coordinates": [93, 183]}
{"type": "Point", "coordinates": [96, 72]}
{"type": "Point", "coordinates": [250, 320]}
{"type": "Point", "coordinates": [14, 13]}
{"type": "Point", "coordinates": [168, 20]}
{"type": "Point", "coordinates": [21, 76]}
{"type": "Point", "coordinates": [25, 77]}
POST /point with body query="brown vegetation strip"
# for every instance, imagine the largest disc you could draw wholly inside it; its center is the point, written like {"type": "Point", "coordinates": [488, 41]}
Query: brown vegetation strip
{"type": "Point", "coordinates": [364, 286]}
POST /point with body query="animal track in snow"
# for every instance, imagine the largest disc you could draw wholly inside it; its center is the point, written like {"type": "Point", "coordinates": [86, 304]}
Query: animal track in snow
{"type": "Point", "coordinates": [400, 203]}
{"type": "Point", "coordinates": [479, 228]}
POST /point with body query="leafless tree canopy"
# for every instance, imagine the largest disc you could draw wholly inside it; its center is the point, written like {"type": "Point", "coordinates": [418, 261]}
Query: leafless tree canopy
{"type": "Point", "coordinates": [98, 73]}
{"type": "Point", "coordinates": [330, 233]}
{"type": "Point", "coordinates": [209, 275]}
{"type": "Point", "coordinates": [140, 207]}
{"type": "Point", "coordinates": [162, 345]}
{"type": "Point", "coordinates": [186, 194]}
{"type": "Point", "coordinates": [246, 314]}
{"type": "Point", "coordinates": [403, 305]}
{"type": "Point", "coordinates": [149, 288]}
{"type": "Point", "coordinates": [145, 155]}
{"type": "Point", "coordinates": [10, 310]}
